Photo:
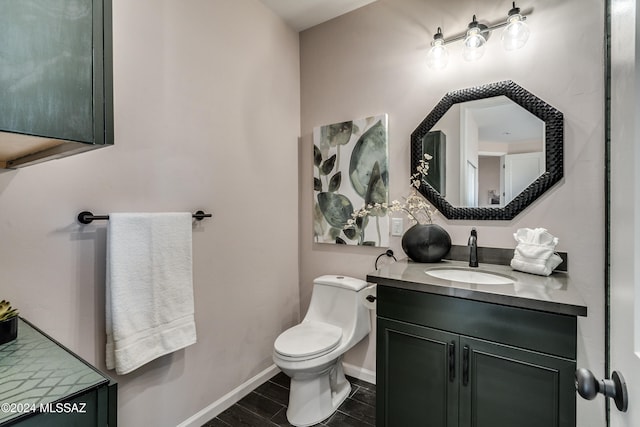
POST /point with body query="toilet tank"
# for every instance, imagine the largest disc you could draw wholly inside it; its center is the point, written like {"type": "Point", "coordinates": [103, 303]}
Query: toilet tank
{"type": "Point", "coordinates": [336, 300]}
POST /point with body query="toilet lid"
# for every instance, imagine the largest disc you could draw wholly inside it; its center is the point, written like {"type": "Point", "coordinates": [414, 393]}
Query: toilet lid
{"type": "Point", "coordinates": [308, 339]}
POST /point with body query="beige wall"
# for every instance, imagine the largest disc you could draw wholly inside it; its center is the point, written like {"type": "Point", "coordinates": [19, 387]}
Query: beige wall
{"type": "Point", "coordinates": [372, 61]}
{"type": "Point", "coordinates": [207, 116]}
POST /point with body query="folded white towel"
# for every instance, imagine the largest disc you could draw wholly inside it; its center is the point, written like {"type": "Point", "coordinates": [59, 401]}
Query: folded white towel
{"type": "Point", "coordinates": [536, 266]}
{"type": "Point", "coordinates": [535, 252]}
{"type": "Point", "coordinates": [536, 236]}
{"type": "Point", "coordinates": [149, 298]}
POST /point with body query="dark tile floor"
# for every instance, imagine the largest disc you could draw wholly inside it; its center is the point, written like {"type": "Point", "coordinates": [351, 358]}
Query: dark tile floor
{"type": "Point", "coordinates": [267, 406]}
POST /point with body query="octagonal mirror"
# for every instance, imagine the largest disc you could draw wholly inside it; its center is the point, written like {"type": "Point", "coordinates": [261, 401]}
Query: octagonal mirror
{"type": "Point", "coordinates": [495, 149]}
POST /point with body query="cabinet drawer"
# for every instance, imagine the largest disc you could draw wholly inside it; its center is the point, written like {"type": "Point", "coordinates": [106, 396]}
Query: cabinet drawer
{"type": "Point", "coordinates": [535, 330]}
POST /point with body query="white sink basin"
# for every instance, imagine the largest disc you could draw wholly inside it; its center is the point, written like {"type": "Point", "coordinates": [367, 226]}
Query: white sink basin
{"type": "Point", "coordinates": [470, 275]}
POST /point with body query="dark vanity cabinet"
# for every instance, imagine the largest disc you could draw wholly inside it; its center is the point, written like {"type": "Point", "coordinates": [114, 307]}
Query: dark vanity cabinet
{"type": "Point", "coordinates": [44, 384]}
{"type": "Point", "coordinates": [444, 361]}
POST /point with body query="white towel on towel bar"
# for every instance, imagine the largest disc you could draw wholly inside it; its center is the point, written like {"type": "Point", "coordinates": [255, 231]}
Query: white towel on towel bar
{"type": "Point", "coordinates": [149, 298]}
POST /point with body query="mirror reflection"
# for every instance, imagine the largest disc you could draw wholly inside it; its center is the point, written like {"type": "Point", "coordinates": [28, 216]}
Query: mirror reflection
{"type": "Point", "coordinates": [485, 152]}
{"type": "Point", "coordinates": [463, 140]}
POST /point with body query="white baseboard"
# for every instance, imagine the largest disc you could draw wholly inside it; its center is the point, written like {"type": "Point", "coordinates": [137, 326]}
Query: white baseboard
{"type": "Point", "coordinates": [359, 373]}
{"type": "Point", "coordinates": [229, 399]}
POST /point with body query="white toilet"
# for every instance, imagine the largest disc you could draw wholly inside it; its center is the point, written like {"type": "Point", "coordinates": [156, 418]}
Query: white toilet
{"type": "Point", "coordinates": [311, 353]}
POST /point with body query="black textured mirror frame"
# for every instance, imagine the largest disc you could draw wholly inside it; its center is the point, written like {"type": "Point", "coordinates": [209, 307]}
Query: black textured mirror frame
{"type": "Point", "coordinates": [554, 140]}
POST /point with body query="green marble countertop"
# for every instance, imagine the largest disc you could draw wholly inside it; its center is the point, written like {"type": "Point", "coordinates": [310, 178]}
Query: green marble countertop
{"type": "Point", "coordinates": [35, 370]}
{"type": "Point", "coordinates": [555, 293]}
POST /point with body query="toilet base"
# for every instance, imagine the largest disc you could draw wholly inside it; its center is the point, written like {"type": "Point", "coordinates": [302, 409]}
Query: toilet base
{"type": "Point", "coordinates": [316, 398]}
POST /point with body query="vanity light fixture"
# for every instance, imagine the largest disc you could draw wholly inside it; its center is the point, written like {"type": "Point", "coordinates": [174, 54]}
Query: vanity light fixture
{"type": "Point", "coordinates": [514, 36]}
{"type": "Point", "coordinates": [438, 55]}
{"type": "Point", "coordinates": [474, 41]}
{"type": "Point", "coordinates": [516, 33]}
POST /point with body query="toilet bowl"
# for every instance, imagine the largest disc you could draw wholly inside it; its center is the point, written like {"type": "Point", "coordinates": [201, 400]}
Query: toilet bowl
{"type": "Point", "coordinates": [310, 353]}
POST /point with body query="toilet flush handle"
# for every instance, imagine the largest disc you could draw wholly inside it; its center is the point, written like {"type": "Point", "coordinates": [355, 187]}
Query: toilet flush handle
{"type": "Point", "coordinates": [371, 298]}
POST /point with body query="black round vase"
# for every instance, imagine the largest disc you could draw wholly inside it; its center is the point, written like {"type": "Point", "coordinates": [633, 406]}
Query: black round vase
{"type": "Point", "coordinates": [426, 242]}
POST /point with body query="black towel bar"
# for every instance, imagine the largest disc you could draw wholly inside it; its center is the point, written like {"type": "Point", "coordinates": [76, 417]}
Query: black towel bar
{"type": "Point", "coordinates": [86, 217]}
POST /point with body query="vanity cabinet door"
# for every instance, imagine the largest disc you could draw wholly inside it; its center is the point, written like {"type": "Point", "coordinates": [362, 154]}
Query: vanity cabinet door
{"type": "Point", "coordinates": [505, 386]}
{"type": "Point", "coordinates": [417, 379]}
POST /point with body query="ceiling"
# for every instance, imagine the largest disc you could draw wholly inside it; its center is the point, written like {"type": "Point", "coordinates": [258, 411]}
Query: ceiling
{"type": "Point", "coordinates": [499, 119]}
{"type": "Point", "coordinates": [303, 14]}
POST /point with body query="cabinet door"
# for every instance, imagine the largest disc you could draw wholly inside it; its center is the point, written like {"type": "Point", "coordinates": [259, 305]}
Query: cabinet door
{"type": "Point", "coordinates": [504, 386]}
{"type": "Point", "coordinates": [418, 371]}
{"type": "Point", "coordinates": [56, 82]}
{"type": "Point", "coordinates": [48, 68]}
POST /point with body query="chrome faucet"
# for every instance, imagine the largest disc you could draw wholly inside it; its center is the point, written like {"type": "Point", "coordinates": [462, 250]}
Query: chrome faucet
{"type": "Point", "coordinates": [473, 248]}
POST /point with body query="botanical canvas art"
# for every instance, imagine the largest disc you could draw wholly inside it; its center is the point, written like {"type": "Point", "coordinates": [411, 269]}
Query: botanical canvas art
{"type": "Point", "coordinates": [351, 171]}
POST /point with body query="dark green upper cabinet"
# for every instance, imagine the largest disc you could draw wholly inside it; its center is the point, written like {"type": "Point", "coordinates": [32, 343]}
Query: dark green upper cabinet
{"type": "Point", "coordinates": [56, 90]}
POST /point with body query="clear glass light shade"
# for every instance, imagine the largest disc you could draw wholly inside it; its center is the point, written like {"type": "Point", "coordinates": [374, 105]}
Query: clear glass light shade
{"type": "Point", "coordinates": [438, 56]}
{"type": "Point", "coordinates": [474, 45]}
{"type": "Point", "coordinates": [516, 33]}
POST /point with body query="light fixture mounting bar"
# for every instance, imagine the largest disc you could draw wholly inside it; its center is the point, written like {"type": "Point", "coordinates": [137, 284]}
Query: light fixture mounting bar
{"type": "Point", "coordinates": [486, 29]}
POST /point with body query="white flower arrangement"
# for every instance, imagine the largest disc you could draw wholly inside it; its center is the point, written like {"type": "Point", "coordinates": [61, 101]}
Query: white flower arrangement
{"type": "Point", "coordinates": [414, 205]}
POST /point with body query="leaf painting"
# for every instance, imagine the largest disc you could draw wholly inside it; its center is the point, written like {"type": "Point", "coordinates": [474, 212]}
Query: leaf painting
{"type": "Point", "coordinates": [317, 156]}
{"type": "Point", "coordinates": [370, 149]}
{"type": "Point", "coordinates": [337, 133]}
{"type": "Point", "coordinates": [336, 208]}
{"type": "Point", "coordinates": [335, 182]}
{"type": "Point", "coordinates": [362, 143]}
{"type": "Point", "coordinates": [376, 189]}
{"type": "Point", "coordinates": [327, 166]}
